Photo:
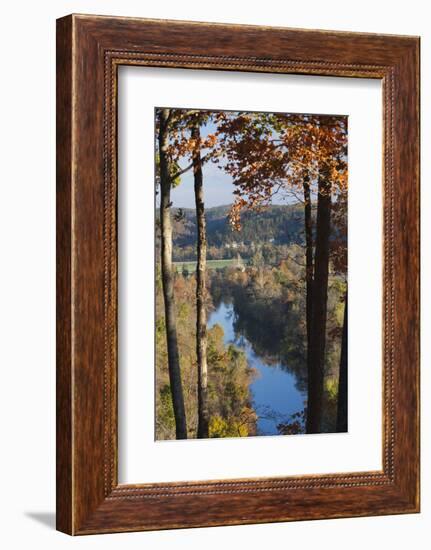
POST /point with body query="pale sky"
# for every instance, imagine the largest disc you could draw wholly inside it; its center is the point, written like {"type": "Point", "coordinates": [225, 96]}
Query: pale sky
{"type": "Point", "coordinates": [218, 188]}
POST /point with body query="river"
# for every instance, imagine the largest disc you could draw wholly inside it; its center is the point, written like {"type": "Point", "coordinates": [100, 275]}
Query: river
{"type": "Point", "coordinates": [274, 392]}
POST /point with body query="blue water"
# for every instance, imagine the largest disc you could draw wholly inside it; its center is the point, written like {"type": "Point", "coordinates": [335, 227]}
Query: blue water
{"type": "Point", "coordinates": [275, 396]}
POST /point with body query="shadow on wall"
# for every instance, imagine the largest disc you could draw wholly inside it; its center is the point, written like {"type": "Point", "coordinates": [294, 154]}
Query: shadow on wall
{"type": "Point", "coordinates": [45, 518]}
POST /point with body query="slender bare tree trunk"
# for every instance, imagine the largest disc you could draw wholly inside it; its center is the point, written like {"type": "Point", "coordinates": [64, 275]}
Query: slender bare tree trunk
{"type": "Point", "coordinates": [316, 353]}
{"type": "Point", "coordinates": [342, 378]}
{"type": "Point", "coordinates": [168, 280]}
{"type": "Point", "coordinates": [201, 314]}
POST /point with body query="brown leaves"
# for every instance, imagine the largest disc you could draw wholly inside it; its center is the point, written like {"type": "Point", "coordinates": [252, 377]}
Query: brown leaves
{"type": "Point", "coordinates": [272, 153]}
{"type": "Point", "coordinates": [182, 144]}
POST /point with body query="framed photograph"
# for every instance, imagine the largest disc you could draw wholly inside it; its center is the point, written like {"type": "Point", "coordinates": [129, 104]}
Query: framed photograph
{"type": "Point", "coordinates": [237, 274]}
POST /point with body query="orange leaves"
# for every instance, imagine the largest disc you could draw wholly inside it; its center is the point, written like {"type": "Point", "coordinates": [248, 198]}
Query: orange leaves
{"type": "Point", "coordinates": [235, 213]}
{"type": "Point", "coordinates": [181, 144]}
{"type": "Point", "coordinates": [273, 153]}
{"type": "Point", "coordinates": [210, 141]}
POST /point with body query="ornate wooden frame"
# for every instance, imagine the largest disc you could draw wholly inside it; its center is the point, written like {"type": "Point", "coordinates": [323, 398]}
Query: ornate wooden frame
{"type": "Point", "coordinates": [89, 51]}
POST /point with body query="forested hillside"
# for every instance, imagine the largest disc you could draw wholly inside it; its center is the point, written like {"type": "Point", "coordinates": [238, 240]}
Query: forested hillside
{"type": "Point", "coordinates": [281, 224]}
{"type": "Point", "coordinates": [275, 226]}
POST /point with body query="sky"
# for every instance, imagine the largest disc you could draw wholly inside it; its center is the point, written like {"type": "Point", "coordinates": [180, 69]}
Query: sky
{"type": "Point", "coordinates": [218, 188]}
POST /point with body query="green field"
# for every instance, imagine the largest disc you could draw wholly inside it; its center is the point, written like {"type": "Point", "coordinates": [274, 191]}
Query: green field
{"type": "Point", "coordinates": [211, 264]}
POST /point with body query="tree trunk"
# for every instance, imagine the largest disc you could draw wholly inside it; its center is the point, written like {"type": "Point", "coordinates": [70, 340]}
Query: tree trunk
{"type": "Point", "coordinates": [168, 280]}
{"type": "Point", "coordinates": [342, 378]}
{"type": "Point", "coordinates": [201, 314]}
{"type": "Point", "coordinates": [316, 352]}
{"type": "Point", "coordinates": [308, 222]}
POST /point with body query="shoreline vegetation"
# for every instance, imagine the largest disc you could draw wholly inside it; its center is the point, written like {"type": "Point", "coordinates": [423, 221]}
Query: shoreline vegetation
{"type": "Point", "coordinates": [280, 270]}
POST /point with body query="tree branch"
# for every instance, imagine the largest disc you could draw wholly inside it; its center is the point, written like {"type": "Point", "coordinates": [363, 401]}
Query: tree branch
{"type": "Point", "coordinates": [188, 167]}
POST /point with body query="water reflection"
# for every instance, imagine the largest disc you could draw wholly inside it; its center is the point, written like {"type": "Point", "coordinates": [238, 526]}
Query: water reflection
{"type": "Point", "coordinates": [275, 391]}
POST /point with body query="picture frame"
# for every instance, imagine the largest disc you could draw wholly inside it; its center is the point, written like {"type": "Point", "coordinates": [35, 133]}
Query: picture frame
{"type": "Point", "coordinates": [89, 51]}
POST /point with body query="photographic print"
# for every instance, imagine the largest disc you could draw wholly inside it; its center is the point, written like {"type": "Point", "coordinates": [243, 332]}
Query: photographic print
{"type": "Point", "coordinates": [251, 273]}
